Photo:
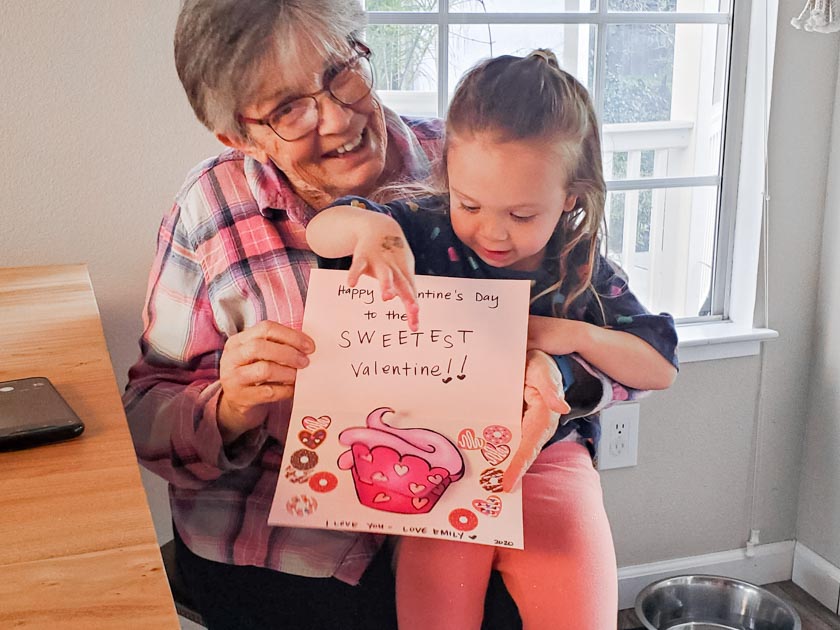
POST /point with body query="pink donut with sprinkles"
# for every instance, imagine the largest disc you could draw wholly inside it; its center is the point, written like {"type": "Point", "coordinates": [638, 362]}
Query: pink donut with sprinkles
{"type": "Point", "coordinates": [497, 435]}
{"type": "Point", "coordinates": [301, 505]}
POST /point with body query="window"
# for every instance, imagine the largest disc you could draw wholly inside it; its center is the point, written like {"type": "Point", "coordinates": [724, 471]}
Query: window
{"type": "Point", "coordinates": [659, 73]}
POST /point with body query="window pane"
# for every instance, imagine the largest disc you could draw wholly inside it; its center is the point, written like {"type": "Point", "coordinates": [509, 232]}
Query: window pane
{"type": "Point", "coordinates": [400, 5]}
{"type": "Point", "coordinates": [664, 239]}
{"type": "Point", "coordinates": [518, 6]}
{"type": "Point", "coordinates": [685, 6]}
{"type": "Point", "coordinates": [405, 66]}
{"type": "Point", "coordinates": [662, 94]}
{"type": "Point", "coordinates": [574, 45]}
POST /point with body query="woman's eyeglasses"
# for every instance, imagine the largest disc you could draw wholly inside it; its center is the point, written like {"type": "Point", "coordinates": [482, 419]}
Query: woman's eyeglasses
{"type": "Point", "coordinates": [348, 83]}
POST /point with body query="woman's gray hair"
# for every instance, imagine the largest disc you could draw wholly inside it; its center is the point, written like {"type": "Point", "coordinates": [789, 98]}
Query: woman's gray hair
{"type": "Point", "coordinates": [221, 45]}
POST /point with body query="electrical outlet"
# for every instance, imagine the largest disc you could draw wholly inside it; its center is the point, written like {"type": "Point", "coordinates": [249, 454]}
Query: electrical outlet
{"type": "Point", "coordinates": [619, 441]}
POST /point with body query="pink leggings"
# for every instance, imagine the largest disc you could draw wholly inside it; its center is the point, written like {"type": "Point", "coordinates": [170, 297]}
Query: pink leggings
{"type": "Point", "coordinates": [564, 579]}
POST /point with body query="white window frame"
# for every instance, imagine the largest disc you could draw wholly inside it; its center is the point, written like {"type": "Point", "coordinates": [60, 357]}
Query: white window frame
{"type": "Point", "coordinates": [742, 182]}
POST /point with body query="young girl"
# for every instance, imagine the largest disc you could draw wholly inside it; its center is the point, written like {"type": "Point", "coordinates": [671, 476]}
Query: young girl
{"type": "Point", "coordinates": [522, 196]}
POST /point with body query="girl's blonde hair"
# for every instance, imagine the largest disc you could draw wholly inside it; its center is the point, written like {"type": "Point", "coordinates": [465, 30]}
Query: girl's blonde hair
{"type": "Point", "coordinates": [532, 98]}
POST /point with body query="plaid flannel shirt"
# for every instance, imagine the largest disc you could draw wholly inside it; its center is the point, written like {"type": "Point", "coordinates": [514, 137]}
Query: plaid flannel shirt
{"type": "Point", "coordinates": [232, 252]}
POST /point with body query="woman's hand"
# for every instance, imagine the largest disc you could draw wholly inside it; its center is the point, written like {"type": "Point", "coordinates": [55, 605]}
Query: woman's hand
{"type": "Point", "coordinates": [383, 253]}
{"type": "Point", "coordinates": [554, 335]}
{"type": "Point", "coordinates": [543, 407]}
{"type": "Point", "coordinates": [258, 366]}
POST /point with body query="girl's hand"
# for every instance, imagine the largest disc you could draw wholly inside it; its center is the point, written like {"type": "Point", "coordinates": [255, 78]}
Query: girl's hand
{"type": "Point", "coordinates": [384, 254]}
{"type": "Point", "coordinates": [543, 408]}
{"type": "Point", "coordinates": [378, 246]}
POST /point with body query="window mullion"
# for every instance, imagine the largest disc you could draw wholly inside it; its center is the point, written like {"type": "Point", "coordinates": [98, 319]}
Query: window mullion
{"type": "Point", "coordinates": [599, 17]}
{"type": "Point", "coordinates": [650, 183]}
{"type": "Point", "coordinates": [443, 57]}
{"type": "Point", "coordinates": [600, 60]}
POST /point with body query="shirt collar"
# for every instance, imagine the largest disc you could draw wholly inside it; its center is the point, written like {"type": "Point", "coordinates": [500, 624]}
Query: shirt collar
{"type": "Point", "coordinates": [273, 192]}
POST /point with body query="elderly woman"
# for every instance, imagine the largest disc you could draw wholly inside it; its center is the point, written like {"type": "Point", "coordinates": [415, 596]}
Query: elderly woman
{"type": "Point", "coordinates": [287, 86]}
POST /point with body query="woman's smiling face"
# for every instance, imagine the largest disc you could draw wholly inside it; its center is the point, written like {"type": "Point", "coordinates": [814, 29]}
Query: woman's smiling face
{"type": "Point", "coordinates": [345, 153]}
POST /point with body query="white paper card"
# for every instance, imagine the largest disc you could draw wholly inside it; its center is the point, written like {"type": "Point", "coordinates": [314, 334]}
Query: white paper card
{"type": "Point", "coordinates": [408, 433]}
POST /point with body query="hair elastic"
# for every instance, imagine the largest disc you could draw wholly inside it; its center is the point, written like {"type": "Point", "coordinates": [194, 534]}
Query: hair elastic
{"type": "Point", "coordinates": [545, 55]}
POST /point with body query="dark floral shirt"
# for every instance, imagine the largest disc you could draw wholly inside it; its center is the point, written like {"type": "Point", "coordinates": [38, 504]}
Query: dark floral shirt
{"type": "Point", "coordinates": [439, 252]}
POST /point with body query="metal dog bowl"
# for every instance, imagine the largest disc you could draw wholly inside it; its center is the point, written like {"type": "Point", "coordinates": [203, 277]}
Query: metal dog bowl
{"type": "Point", "coordinates": [709, 602]}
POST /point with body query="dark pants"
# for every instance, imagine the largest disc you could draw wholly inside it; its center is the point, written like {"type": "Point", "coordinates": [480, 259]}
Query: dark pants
{"type": "Point", "coordinates": [231, 597]}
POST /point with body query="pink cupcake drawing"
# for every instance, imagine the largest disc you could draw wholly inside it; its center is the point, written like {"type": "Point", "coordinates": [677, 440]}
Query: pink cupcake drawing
{"type": "Point", "coordinates": [399, 470]}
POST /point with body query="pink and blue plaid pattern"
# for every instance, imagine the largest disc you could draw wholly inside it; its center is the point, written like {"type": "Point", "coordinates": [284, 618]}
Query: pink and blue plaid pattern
{"type": "Point", "coordinates": [230, 253]}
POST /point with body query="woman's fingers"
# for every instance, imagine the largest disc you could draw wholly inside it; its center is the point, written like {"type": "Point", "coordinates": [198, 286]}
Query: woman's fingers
{"type": "Point", "coordinates": [274, 333]}
{"type": "Point", "coordinates": [539, 423]}
{"type": "Point", "coordinates": [542, 373]}
{"type": "Point", "coordinates": [258, 365]}
{"type": "Point", "coordinates": [258, 350]}
{"type": "Point", "coordinates": [263, 372]}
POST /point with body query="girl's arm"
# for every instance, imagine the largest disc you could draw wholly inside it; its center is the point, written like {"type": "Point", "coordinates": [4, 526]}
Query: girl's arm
{"type": "Point", "coordinates": [620, 355]}
{"type": "Point", "coordinates": [378, 246]}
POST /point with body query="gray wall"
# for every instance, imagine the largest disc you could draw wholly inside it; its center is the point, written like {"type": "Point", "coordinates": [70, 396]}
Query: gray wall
{"type": "Point", "coordinates": [97, 137]}
{"type": "Point", "coordinates": [818, 526]}
{"type": "Point", "coordinates": [692, 490]}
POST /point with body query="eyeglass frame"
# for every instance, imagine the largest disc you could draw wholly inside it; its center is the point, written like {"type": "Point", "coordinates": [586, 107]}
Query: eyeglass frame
{"type": "Point", "coordinates": [362, 52]}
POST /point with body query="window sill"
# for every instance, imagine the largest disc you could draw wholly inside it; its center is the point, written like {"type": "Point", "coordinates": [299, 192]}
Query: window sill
{"type": "Point", "coordinates": [720, 340]}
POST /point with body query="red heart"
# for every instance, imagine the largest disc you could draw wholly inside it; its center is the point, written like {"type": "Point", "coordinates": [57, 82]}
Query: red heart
{"type": "Point", "coordinates": [312, 440]}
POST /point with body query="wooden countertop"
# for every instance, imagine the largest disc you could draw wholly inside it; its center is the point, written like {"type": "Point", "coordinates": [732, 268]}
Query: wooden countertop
{"type": "Point", "coordinates": [77, 546]}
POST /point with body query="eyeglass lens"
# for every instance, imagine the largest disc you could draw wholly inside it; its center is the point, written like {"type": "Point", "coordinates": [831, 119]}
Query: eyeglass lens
{"type": "Point", "coordinates": [350, 85]}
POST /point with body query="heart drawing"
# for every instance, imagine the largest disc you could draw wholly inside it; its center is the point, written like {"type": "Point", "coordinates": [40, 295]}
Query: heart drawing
{"type": "Point", "coordinates": [312, 439]}
{"type": "Point", "coordinates": [469, 441]}
{"type": "Point", "coordinates": [495, 453]}
{"type": "Point", "coordinates": [491, 506]}
{"type": "Point", "coordinates": [311, 423]}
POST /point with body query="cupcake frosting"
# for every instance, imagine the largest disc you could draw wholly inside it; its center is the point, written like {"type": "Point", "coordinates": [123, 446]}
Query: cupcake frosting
{"type": "Point", "coordinates": [428, 445]}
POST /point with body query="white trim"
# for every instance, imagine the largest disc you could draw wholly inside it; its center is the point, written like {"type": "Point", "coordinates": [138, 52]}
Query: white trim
{"type": "Point", "coordinates": [720, 340]}
{"type": "Point", "coordinates": [816, 576]}
{"type": "Point", "coordinates": [630, 136]}
{"type": "Point", "coordinates": [640, 17]}
{"type": "Point", "coordinates": [762, 39]}
{"type": "Point", "coordinates": [600, 64]}
{"type": "Point", "coordinates": [651, 183]}
{"type": "Point", "coordinates": [767, 563]}
{"type": "Point", "coordinates": [443, 68]}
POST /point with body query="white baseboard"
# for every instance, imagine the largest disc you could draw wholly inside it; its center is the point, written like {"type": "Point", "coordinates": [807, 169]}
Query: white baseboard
{"type": "Point", "coordinates": [768, 563]}
{"type": "Point", "coordinates": [816, 576]}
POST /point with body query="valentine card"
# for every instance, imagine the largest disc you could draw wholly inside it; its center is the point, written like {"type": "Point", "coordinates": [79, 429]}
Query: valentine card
{"type": "Point", "coordinates": [408, 432]}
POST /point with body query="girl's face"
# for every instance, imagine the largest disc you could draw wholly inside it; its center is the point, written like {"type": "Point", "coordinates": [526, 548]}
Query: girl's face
{"type": "Point", "coordinates": [506, 198]}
